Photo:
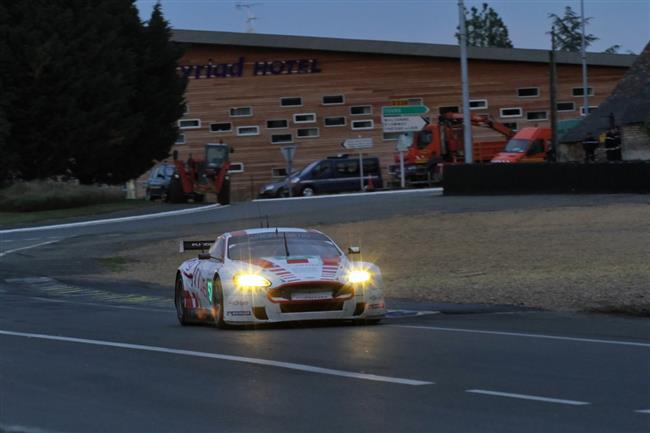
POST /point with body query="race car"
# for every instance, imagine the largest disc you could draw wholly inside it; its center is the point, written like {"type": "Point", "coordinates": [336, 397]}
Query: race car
{"type": "Point", "coordinates": [275, 275]}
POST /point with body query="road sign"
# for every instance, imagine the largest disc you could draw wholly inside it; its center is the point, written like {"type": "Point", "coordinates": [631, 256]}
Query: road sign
{"type": "Point", "coordinates": [403, 123]}
{"type": "Point", "coordinates": [404, 110]}
{"type": "Point", "coordinates": [403, 142]}
{"type": "Point", "coordinates": [358, 143]}
{"type": "Point", "coordinates": [288, 152]}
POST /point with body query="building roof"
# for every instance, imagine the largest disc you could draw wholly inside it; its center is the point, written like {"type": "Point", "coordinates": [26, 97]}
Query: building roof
{"type": "Point", "coordinates": [391, 48]}
{"type": "Point", "coordinates": [629, 102]}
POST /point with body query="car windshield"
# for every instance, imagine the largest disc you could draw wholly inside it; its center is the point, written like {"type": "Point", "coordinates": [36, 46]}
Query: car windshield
{"type": "Point", "coordinates": [168, 170]}
{"type": "Point", "coordinates": [247, 247]}
{"type": "Point", "coordinates": [517, 145]}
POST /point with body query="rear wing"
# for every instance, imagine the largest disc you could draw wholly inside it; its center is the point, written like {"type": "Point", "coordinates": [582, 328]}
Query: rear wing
{"type": "Point", "coordinates": [194, 245]}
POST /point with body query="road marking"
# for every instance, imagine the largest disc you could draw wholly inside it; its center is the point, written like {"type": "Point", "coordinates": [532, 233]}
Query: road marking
{"type": "Point", "coordinates": [4, 253]}
{"type": "Point", "coordinates": [356, 194]}
{"type": "Point", "coordinates": [521, 334]}
{"type": "Point", "coordinates": [643, 411]}
{"type": "Point", "coordinates": [527, 397]}
{"type": "Point", "coordinates": [242, 359]}
{"type": "Point", "coordinates": [97, 304]}
{"type": "Point", "coordinates": [116, 220]}
{"type": "Point", "coordinates": [398, 314]}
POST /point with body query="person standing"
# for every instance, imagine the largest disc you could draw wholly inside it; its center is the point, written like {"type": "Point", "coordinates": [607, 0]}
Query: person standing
{"type": "Point", "coordinates": [589, 145]}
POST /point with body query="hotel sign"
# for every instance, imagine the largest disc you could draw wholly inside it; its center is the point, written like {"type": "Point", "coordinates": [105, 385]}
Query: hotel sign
{"type": "Point", "coordinates": [239, 69]}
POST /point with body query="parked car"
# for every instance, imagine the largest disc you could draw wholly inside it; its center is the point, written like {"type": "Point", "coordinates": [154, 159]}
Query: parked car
{"type": "Point", "coordinates": [327, 176]}
{"type": "Point", "coordinates": [157, 185]}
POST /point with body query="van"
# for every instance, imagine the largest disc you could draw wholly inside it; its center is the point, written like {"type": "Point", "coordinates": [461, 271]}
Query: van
{"type": "Point", "coordinates": [328, 176]}
{"type": "Point", "coordinates": [530, 144]}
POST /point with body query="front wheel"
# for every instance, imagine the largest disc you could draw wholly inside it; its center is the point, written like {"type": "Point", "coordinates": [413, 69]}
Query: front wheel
{"type": "Point", "coordinates": [217, 303]}
{"type": "Point", "coordinates": [308, 191]}
{"type": "Point", "coordinates": [181, 312]}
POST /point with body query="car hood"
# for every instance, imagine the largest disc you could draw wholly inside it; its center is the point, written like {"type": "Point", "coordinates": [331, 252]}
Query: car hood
{"type": "Point", "coordinates": [508, 157]}
{"type": "Point", "coordinates": [280, 270]}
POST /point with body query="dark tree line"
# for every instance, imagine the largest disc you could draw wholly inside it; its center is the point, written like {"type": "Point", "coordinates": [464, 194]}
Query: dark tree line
{"type": "Point", "coordinates": [86, 90]}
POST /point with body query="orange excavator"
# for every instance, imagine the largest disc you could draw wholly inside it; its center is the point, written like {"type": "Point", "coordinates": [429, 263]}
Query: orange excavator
{"type": "Point", "coordinates": [442, 142]}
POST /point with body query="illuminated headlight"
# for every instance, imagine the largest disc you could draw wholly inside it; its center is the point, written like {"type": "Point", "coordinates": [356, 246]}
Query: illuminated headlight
{"type": "Point", "coordinates": [359, 276]}
{"type": "Point", "coordinates": [250, 281]}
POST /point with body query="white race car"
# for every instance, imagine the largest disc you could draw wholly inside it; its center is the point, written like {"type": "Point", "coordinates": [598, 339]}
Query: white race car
{"type": "Point", "coordinates": [275, 275]}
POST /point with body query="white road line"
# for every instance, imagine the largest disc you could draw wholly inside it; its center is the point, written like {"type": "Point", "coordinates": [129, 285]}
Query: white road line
{"type": "Point", "coordinates": [4, 253]}
{"type": "Point", "coordinates": [643, 411]}
{"type": "Point", "coordinates": [116, 220]}
{"type": "Point", "coordinates": [527, 397]}
{"type": "Point", "coordinates": [242, 359]}
{"type": "Point", "coordinates": [97, 304]}
{"type": "Point", "coordinates": [356, 194]}
{"type": "Point", "coordinates": [522, 334]}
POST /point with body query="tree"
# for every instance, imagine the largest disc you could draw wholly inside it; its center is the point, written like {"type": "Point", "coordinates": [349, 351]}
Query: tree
{"type": "Point", "coordinates": [485, 28]}
{"type": "Point", "coordinates": [613, 49]}
{"type": "Point", "coordinates": [568, 31]}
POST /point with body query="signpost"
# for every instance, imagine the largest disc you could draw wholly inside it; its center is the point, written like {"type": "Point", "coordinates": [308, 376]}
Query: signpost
{"type": "Point", "coordinates": [358, 144]}
{"type": "Point", "coordinates": [288, 152]}
{"type": "Point", "coordinates": [403, 144]}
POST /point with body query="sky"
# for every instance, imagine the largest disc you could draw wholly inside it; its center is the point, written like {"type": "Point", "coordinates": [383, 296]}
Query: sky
{"type": "Point", "coordinates": [623, 22]}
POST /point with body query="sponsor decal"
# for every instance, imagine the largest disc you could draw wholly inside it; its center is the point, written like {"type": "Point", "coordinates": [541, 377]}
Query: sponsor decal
{"type": "Point", "coordinates": [376, 306]}
{"type": "Point", "coordinates": [239, 302]}
{"type": "Point", "coordinates": [238, 313]}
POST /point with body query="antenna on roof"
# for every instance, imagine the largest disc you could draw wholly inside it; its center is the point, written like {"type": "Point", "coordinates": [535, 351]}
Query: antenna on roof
{"type": "Point", "coordinates": [250, 16]}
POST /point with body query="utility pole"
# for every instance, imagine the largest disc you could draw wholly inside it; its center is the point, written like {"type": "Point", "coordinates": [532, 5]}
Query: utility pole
{"type": "Point", "coordinates": [553, 95]}
{"type": "Point", "coordinates": [583, 54]}
{"type": "Point", "coordinates": [467, 124]}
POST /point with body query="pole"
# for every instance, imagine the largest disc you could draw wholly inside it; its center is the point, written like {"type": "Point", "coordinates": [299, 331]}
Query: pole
{"type": "Point", "coordinates": [289, 171]}
{"type": "Point", "coordinates": [583, 54]}
{"type": "Point", "coordinates": [553, 93]}
{"type": "Point", "coordinates": [361, 169]}
{"type": "Point", "coordinates": [401, 169]}
{"type": "Point", "coordinates": [467, 125]}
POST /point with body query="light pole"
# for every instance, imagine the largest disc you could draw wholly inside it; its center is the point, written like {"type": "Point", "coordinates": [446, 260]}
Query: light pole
{"type": "Point", "coordinates": [583, 54]}
{"type": "Point", "coordinates": [467, 125]}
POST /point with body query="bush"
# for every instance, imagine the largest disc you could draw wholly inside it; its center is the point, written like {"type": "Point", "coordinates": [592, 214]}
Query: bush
{"type": "Point", "coordinates": [49, 195]}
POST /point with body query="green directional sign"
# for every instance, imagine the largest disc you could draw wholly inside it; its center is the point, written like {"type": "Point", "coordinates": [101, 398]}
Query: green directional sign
{"type": "Point", "coordinates": [404, 110]}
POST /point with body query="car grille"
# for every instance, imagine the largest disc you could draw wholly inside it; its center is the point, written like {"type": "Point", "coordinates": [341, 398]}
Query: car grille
{"type": "Point", "coordinates": [308, 307]}
{"type": "Point", "coordinates": [285, 293]}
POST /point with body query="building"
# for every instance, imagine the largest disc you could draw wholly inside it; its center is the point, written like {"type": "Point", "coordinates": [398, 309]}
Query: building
{"type": "Point", "coordinates": [628, 107]}
{"type": "Point", "coordinates": [260, 92]}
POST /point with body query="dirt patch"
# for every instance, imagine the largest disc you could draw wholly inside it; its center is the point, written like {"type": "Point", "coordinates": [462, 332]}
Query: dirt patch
{"type": "Point", "coordinates": [594, 258]}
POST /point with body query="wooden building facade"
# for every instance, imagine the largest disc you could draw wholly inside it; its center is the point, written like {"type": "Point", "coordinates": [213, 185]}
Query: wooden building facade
{"type": "Point", "coordinates": [260, 92]}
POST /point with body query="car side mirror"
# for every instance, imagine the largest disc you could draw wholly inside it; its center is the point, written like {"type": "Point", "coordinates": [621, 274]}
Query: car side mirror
{"type": "Point", "coordinates": [204, 256]}
{"type": "Point", "coordinates": [354, 250]}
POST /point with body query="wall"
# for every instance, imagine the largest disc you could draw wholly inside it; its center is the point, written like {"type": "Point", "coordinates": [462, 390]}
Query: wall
{"type": "Point", "coordinates": [635, 143]}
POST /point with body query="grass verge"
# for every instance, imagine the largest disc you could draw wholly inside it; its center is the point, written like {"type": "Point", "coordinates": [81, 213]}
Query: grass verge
{"type": "Point", "coordinates": [114, 263]}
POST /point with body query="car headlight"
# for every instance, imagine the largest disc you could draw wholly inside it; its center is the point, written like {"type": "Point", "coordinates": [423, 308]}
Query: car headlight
{"type": "Point", "coordinates": [269, 187]}
{"type": "Point", "coordinates": [359, 276]}
{"type": "Point", "coordinates": [295, 179]}
{"type": "Point", "coordinates": [246, 281]}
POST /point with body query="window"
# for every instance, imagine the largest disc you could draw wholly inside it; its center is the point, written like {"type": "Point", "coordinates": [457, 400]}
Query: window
{"type": "Point", "coordinates": [279, 172]}
{"type": "Point", "coordinates": [189, 123]}
{"type": "Point", "coordinates": [511, 112]}
{"type": "Point", "coordinates": [407, 101]}
{"type": "Point", "coordinates": [292, 101]}
{"type": "Point", "coordinates": [241, 112]}
{"type": "Point", "coordinates": [565, 106]}
{"type": "Point", "coordinates": [536, 115]}
{"type": "Point", "coordinates": [186, 109]}
{"type": "Point", "coordinates": [363, 124]}
{"type": "Point", "coordinates": [333, 100]}
{"type": "Point", "coordinates": [360, 110]}
{"type": "Point", "coordinates": [528, 92]}
{"type": "Point", "coordinates": [281, 138]}
{"type": "Point", "coordinates": [578, 91]}
{"type": "Point", "coordinates": [304, 118]}
{"type": "Point", "coordinates": [334, 121]}
{"type": "Point", "coordinates": [476, 104]}
{"type": "Point", "coordinates": [236, 167]}
{"type": "Point", "coordinates": [591, 109]}
{"type": "Point", "coordinates": [449, 109]}
{"type": "Point", "coordinates": [277, 124]}
{"type": "Point", "coordinates": [307, 133]}
{"type": "Point", "coordinates": [248, 130]}
{"type": "Point", "coordinates": [180, 139]}
{"type": "Point", "coordinates": [512, 125]}
{"type": "Point", "coordinates": [391, 136]}
{"type": "Point", "coordinates": [221, 127]}
{"type": "Point", "coordinates": [347, 167]}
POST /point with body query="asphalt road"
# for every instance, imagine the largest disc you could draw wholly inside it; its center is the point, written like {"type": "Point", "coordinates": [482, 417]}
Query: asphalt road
{"type": "Point", "coordinates": [80, 355]}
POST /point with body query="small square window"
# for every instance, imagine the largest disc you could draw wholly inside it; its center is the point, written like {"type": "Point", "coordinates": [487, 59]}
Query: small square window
{"type": "Point", "coordinates": [241, 112]}
{"type": "Point", "coordinates": [248, 130]}
{"type": "Point", "coordinates": [221, 127]}
{"type": "Point", "coordinates": [277, 124]}
{"type": "Point", "coordinates": [359, 110]}
{"type": "Point", "coordinates": [391, 136]}
{"type": "Point", "coordinates": [592, 108]}
{"type": "Point", "coordinates": [307, 133]}
{"type": "Point", "coordinates": [331, 122]}
{"type": "Point", "coordinates": [236, 167]}
{"type": "Point", "coordinates": [279, 172]}
{"type": "Point", "coordinates": [362, 124]}
{"type": "Point", "coordinates": [565, 106]}
{"type": "Point", "coordinates": [292, 101]}
{"type": "Point", "coordinates": [180, 139]}
{"type": "Point", "coordinates": [528, 92]}
{"type": "Point", "coordinates": [449, 109]}
{"type": "Point", "coordinates": [304, 118]}
{"type": "Point", "coordinates": [333, 100]}
{"type": "Point", "coordinates": [477, 104]}
{"type": "Point", "coordinates": [512, 125]}
{"type": "Point", "coordinates": [189, 123]}
{"type": "Point", "coordinates": [536, 115]}
{"type": "Point", "coordinates": [511, 112]}
{"type": "Point", "coordinates": [579, 91]}
{"type": "Point", "coordinates": [281, 138]}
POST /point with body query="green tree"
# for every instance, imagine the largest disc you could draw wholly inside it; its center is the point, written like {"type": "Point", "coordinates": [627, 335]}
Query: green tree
{"type": "Point", "coordinates": [485, 28]}
{"type": "Point", "coordinates": [613, 49]}
{"type": "Point", "coordinates": [568, 31]}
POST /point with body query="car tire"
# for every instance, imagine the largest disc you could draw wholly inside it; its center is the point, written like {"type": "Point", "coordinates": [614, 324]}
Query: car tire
{"type": "Point", "coordinates": [308, 191]}
{"type": "Point", "coordinates": [181, 312]}
{"type": "Point", "coordinates": [217, 304]}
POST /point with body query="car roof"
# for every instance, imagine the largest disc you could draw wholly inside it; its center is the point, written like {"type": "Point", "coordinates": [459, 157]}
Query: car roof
{"type": "Point", "coordinates": [269, 230]}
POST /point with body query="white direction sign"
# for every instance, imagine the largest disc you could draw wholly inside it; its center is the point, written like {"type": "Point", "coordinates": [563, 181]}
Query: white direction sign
{"type": "Point", "coordinates": [358, 143]}
{"type": "Point", "coordinates": [288, 152]}
{"type": "Point", "coordinates": [403, 123]}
